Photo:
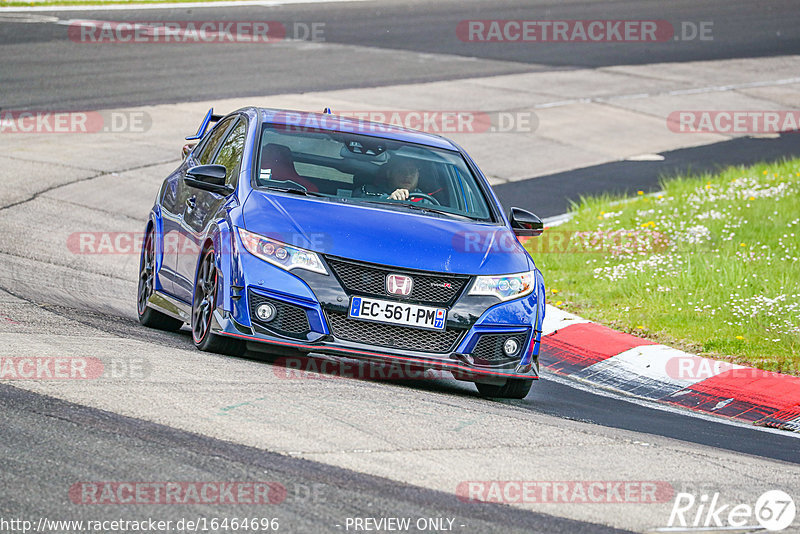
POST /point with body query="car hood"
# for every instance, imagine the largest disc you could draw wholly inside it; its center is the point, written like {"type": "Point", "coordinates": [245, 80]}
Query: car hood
{"type": "Point", "coordinates": [397, 238]}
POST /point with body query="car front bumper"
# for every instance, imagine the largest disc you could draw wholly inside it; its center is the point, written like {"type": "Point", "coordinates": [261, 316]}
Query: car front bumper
{"type": "Point", "coordinates": [313, 319]}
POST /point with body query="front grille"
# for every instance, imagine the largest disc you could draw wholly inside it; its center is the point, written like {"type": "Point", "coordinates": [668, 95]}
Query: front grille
{"type": "Point", "coordinates": [290, 320]}
{"type": "Point", "coordinates": [396, 337]}
{"type": "Point", "coordinates": [369, 279]}
{"type": "Point", "coordinates": [489, 349]}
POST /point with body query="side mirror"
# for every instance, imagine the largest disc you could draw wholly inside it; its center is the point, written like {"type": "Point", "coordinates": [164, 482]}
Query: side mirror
{"type": "Point", "coordinates": [525, 223]}
{"type": "Point", "coordinates": [187, 148]}
{"type": "Point", "coordinates": [209, 178]}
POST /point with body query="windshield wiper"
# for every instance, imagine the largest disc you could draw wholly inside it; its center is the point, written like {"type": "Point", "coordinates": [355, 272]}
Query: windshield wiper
{"type": "Point", "coordinates": [414, 207]}
{"type": "Point", "coordinates": [430, 209]}
{"type": "Point", "coordinates": [296, 191]}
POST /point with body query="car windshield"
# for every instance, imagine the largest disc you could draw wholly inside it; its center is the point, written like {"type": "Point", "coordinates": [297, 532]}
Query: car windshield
{"type": "Point", "coordinates": [355, 168]}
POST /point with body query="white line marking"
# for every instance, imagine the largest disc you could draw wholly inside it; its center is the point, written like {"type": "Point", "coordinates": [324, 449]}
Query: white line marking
{"type": "Point", "coordinates": [169, 5]}
{"type": "Point", "coordinates": [653, 367]}
{"type": "Point", "coordinates": [677, 92]}
{"type": "Point", "coordinates": [646, 157]}
{"type": "Point", "coordinates": [556, 219]}
{"type": "Point", "coordinates": [26, 18]}
{"type": "Point", "coordinates": [556, 319]}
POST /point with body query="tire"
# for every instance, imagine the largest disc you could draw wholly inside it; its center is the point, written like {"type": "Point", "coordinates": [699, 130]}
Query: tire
{"type": "Point", "coordinates": [148, 316]}
{"type": "Point", "coordinates": [514, 388]}
{"type": "Point", "coordinates": [203, 305]}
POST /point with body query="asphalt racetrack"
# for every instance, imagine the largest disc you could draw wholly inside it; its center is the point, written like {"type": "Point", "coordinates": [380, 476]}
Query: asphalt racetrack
{"type": "Point", "coordinates": [340, 449]}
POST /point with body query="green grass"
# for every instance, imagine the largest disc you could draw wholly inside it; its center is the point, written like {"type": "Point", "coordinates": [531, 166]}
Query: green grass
{"type": "Point", "coordinates": [711, 266]}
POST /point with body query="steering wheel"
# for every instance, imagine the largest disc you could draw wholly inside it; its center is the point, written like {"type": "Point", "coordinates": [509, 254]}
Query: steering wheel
{"type": "Point", "coordinates": [424, 196]}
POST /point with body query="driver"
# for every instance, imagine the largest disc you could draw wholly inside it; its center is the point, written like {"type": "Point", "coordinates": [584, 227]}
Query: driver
{"type": "Point", "coordinates": [397, 180]}
{"type": "Point", "coordinates": [402, 176]}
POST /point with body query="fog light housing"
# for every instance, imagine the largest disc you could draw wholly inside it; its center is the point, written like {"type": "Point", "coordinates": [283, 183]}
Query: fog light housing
{"type": "Point", "coordinates": [266, 312]}
{"type": "Point", "coordinates": [511, 347]}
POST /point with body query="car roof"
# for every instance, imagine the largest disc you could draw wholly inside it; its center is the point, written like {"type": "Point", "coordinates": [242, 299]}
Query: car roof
{"type": "Point", "coordinates": [338, 123]}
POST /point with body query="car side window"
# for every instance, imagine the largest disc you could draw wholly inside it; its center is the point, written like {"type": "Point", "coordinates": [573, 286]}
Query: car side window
{"type": "Point", "coordinates": [230, 155]}
{"type": "Point", "coordinates": [214, 138]}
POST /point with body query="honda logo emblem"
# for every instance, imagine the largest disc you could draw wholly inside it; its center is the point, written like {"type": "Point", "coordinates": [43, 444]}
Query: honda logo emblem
{"type": "Point", "coordinates": [397, 284]}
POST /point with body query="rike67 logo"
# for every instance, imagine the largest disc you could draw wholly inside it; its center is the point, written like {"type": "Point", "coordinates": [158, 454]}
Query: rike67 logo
{"type": "Point", "coordinates": [774, 510]}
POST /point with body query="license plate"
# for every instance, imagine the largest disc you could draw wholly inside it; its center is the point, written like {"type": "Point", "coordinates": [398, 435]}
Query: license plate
{"type": "Point", "coordinates": [398, 313]}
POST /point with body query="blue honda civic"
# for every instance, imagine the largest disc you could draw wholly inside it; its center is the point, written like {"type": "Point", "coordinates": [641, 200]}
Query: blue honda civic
{"type": "Point", "coordinates": [294, 233]}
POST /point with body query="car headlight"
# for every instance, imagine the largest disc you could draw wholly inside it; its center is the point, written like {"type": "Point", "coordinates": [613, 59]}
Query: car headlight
{"type": "Point", "coordinates": [281, 255]}
{"type": "Point", "coordinates": [505, 287]}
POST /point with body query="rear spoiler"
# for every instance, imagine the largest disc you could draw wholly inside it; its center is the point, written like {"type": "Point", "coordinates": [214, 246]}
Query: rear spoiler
{"type": "Point", "coordinates": [209, 118]}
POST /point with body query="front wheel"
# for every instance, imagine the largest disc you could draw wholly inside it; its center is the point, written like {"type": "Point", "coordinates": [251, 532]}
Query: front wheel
{"type": "Point", "coordinates": [514, 388]}
{"type": "Point", "coordinates": [203, 305]}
